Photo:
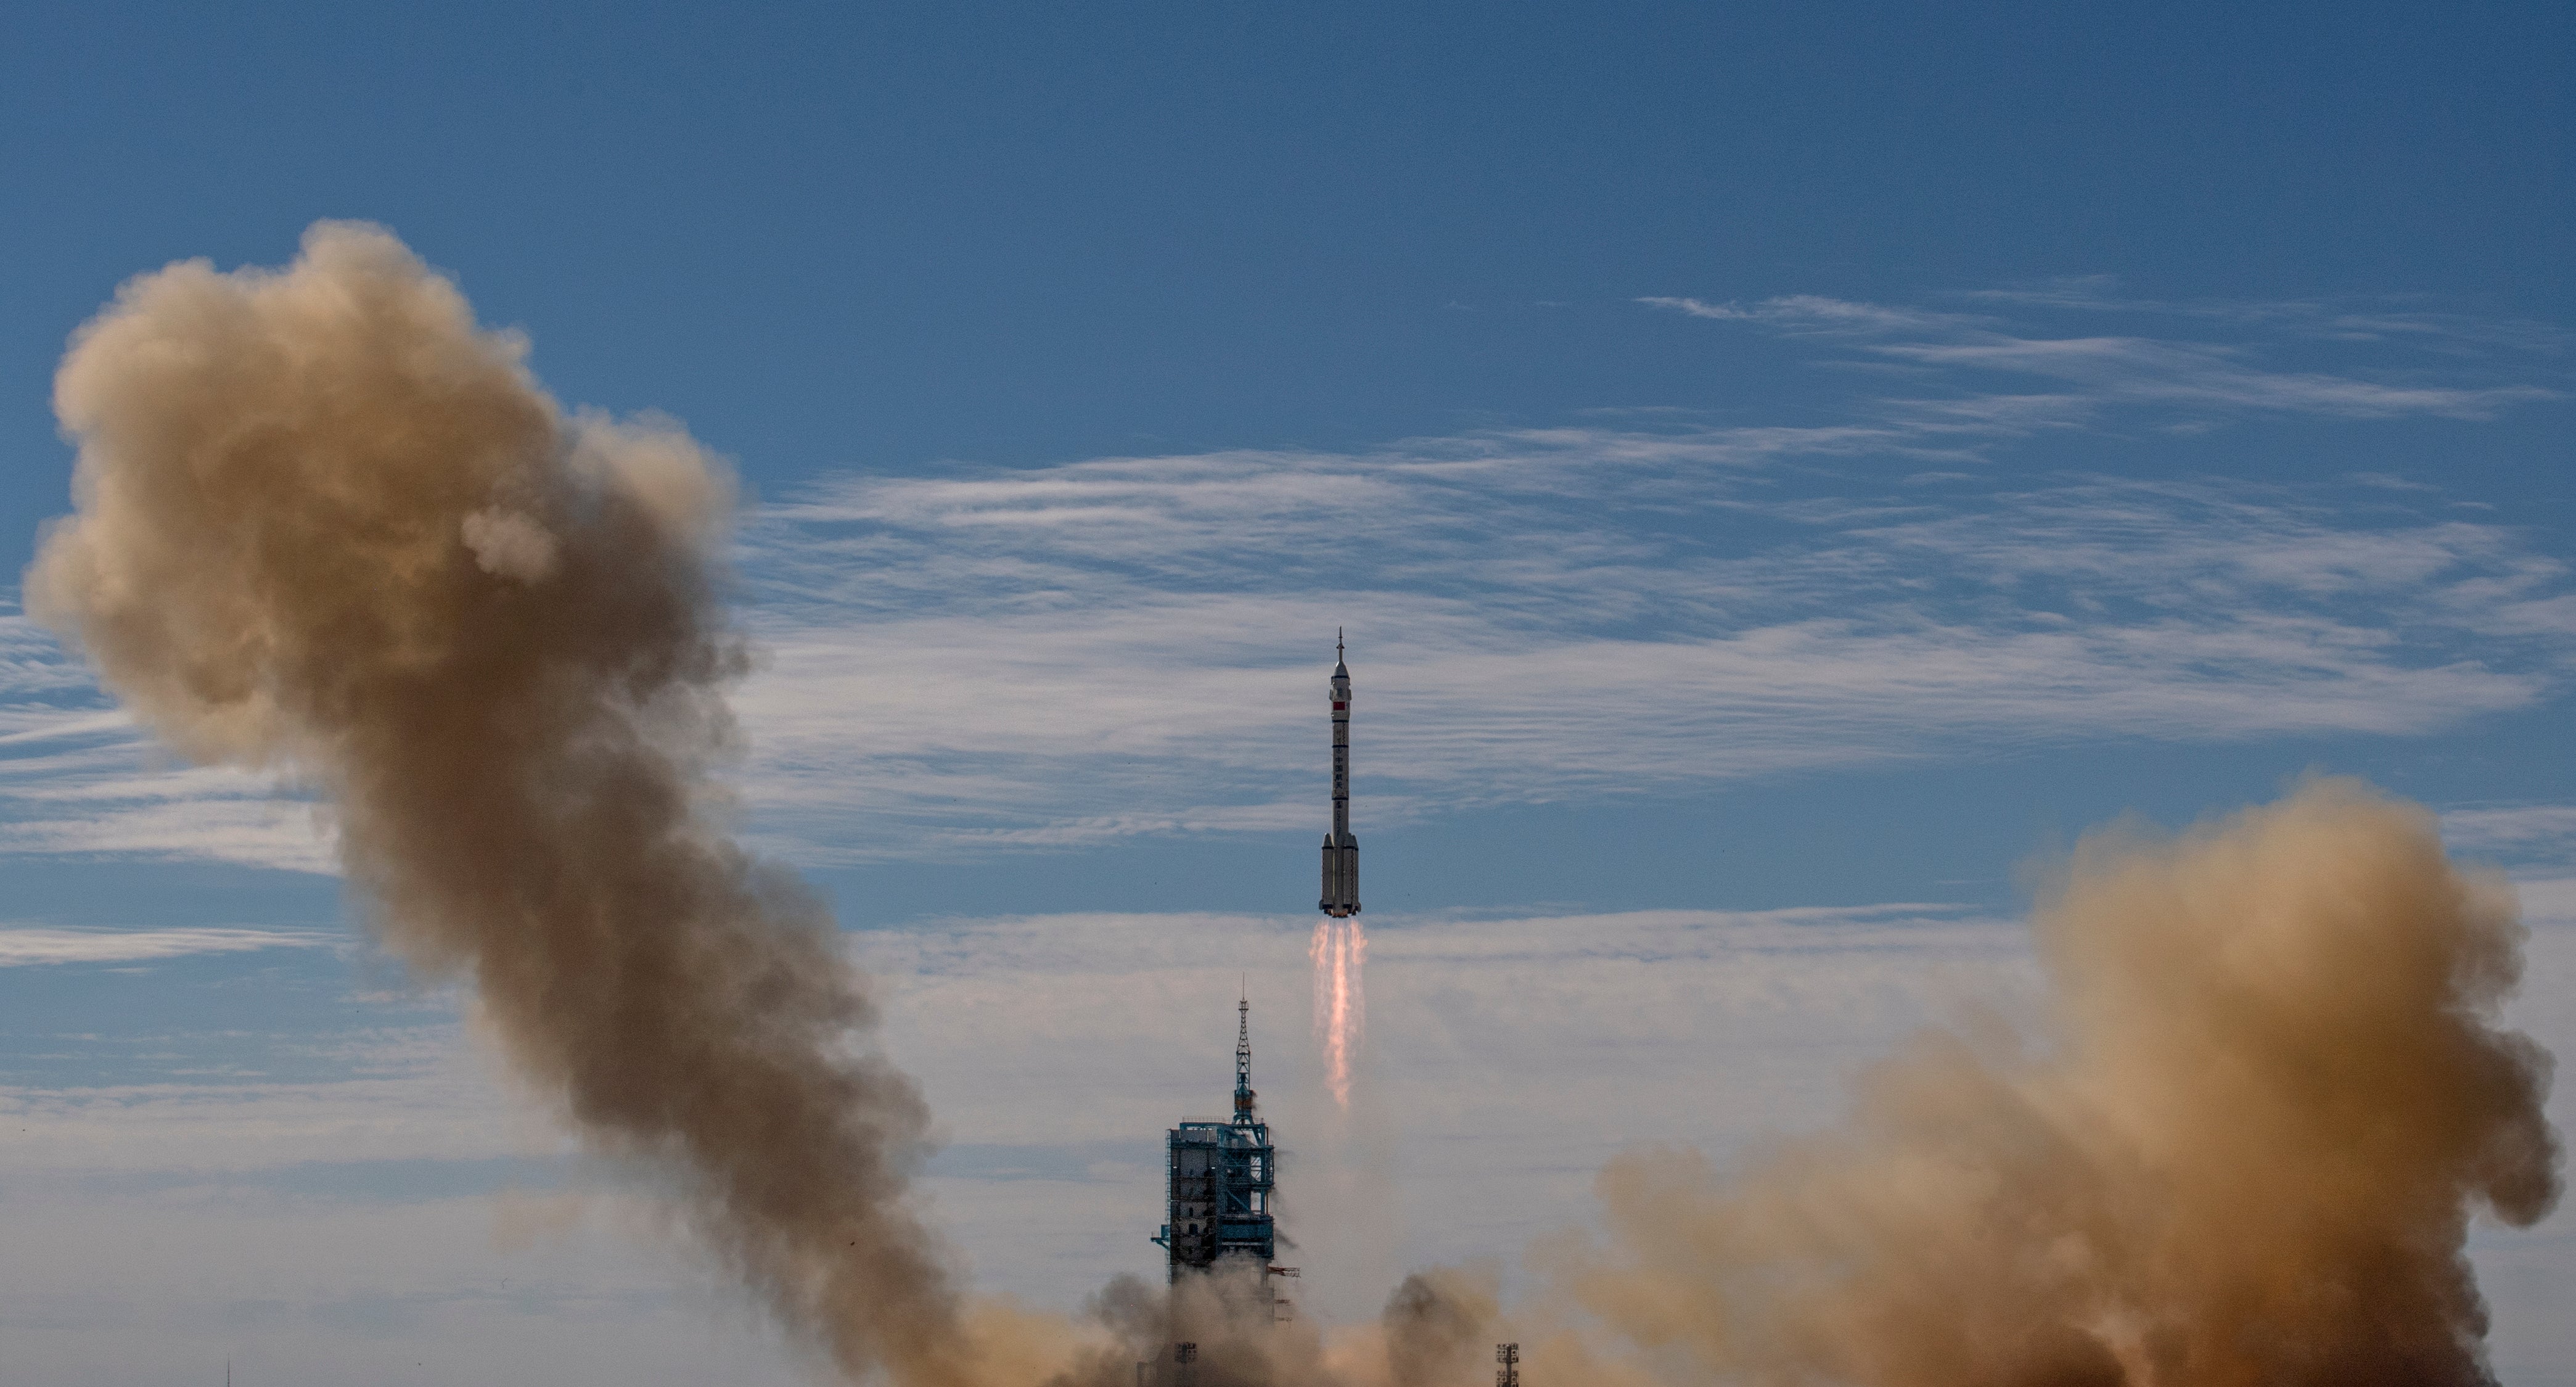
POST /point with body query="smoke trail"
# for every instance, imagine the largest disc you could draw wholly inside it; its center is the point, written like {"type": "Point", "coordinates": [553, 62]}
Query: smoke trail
{"type": "Point", "coordinates": [2248, 1154]}
{"type": "Point", "coordinates": [327, 526]}
{"type": "Point", "coordinates": [1340, 954]}
{"type": "Point", "coordinates": [1433, 1329]}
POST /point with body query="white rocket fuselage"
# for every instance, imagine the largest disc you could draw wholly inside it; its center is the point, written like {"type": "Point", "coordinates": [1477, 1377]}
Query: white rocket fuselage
{"type": "Point", "coordinates": [1341, 850]}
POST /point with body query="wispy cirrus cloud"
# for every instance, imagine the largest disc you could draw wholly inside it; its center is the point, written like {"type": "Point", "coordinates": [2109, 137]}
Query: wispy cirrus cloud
{"type": "Point", "coordinates": [23, 945]}
{"type": "Point", "coordinates": [2143, 370]}
{"type": "Point", "coordinates": [1111, 647]}
{"type": "Point", "coordinates": [1003, 661]}
{"type": "Point", "coordinates": [2523, 834]}
{"type": "Point", "coordinates": [990, 660]}
{"type": "Point", "coordinates": [1815, 312]}
{"type": "Point", "coordinates": [79, 778]}
{"type": "Point", "coordinates": [2093, 369]}
{"type": "Point", "coordinates": [2409, 319]}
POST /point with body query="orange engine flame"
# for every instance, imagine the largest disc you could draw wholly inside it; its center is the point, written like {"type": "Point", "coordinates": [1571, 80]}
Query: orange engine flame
{"type": "Point", "coordinates": [1339, 950]}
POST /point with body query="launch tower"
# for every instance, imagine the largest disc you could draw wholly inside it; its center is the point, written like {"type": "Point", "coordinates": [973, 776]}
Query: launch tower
{"type": "Point", "coordinates": [1341, 850]}
{"type": "Point", "coordinates": [1219, 1178]}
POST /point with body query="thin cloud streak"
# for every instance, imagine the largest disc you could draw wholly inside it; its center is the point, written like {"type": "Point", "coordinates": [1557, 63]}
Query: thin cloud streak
{"type": "Point", "coordinates": [25, 945]}
{"type": "Point", "coordinates": [85, 782]}
{"type": "Point", "coordinates": [2217, 379]}
{"type": "Point", "coordinates": [2521, 833]}
{"type": "Point", "coordinates": [2131, 369]}
{"type": "Point", "coordinates": [2400, 318]}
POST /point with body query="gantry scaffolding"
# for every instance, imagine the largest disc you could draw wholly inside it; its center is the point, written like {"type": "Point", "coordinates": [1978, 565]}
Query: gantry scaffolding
{"type": "Point", "coordinates": [1219, 1177]}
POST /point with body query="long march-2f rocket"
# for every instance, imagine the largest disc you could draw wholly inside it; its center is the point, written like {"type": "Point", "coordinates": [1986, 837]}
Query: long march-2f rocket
{"type": "Point", "coordinates": [1341, 850]}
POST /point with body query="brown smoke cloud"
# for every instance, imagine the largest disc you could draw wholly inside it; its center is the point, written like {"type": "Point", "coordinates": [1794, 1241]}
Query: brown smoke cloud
{"type": "Point", "coordinates": [1434, 1332]}
{"type": "Point", "coordinates": [2245, 1152]}
{"type": "Point", "coordinates": [328, 526]}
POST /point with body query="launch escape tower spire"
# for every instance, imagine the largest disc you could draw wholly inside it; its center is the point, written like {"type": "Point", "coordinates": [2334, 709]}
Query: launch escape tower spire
{"type": "Point", "coordinates": [1341, 850]}
{"type": "Point", "coordinates": [1219, 1178]}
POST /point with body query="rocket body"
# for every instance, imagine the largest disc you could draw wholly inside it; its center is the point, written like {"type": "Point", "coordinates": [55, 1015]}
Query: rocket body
{"type": "Point", "coordinates": [1341, 850]}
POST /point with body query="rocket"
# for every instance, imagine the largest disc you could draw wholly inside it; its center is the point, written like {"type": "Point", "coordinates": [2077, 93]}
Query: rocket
{"type": "Point", "coordinates": [1341, 850]}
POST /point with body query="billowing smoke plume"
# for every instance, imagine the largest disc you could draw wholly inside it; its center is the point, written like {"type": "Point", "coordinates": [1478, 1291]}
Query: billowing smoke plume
{"type": "Point", "coordinates": [327, 526]}
{"type": "Point", "coordinates": [1433, 1333]}
{"type": "Point", "coordinates": [2246, 1155]}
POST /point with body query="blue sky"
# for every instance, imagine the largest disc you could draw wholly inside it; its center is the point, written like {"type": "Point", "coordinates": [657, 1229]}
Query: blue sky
{"type": "Point", "coordinates": [1781, 468]}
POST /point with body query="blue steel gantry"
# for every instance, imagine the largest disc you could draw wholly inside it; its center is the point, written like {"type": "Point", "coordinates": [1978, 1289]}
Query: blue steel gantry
{"type": "Point", "coordinates": [1220, 1176]}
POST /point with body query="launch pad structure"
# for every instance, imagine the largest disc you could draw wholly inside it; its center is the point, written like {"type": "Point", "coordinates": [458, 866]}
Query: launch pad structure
{"type": "Point", "coordinates": [1219, 1177]}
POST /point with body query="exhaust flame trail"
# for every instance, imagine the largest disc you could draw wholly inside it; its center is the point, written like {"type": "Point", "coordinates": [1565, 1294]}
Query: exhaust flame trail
{"type": "Point", "coordinates": [1340, 952]}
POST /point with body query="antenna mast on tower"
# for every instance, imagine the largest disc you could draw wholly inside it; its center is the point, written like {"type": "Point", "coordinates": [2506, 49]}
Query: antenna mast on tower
{"type": "Point", "coordinates": [1243, 1063]}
